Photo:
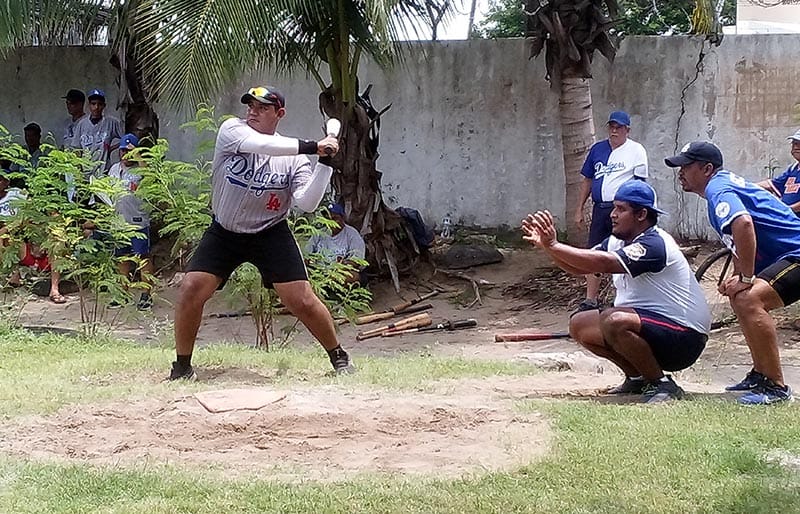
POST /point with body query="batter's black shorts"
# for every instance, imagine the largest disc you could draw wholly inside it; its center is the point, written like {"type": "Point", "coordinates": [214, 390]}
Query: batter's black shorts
{"type": "Point", "coordinates": [784, 278]}
{"type": "Point", "coordinates": [600, 227]}
{"type": "Point", "coordinates": [674, 346]}
{"type": "Point", "coordinates": [273, 251]}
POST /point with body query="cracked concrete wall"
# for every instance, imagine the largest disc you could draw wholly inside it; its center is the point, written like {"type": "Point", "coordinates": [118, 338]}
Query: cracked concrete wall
{"type": "Point", "coordinates": [473, 130]}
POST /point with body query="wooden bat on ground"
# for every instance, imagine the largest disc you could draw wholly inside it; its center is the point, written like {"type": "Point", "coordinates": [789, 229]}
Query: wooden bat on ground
{"type": "Point", "coordinates": [418, 320]}
{"type": "Point", "coordinates": [372, 318]}
{"type": "Point", "coordinates": [529, 336]}
{"type": "Point", "coordinates": [447, 325]}
{"type": "Point", "coordinates": [404, 308]}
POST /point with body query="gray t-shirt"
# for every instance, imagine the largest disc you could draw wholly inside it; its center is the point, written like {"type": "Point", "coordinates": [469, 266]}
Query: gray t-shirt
{"type": "Point", "coordinates": [68, 137]}
{"type": "Point", "coordinates": [8, 206]}
{"type": "Point", "coordinates": [252, 192]}
{"type": "Point", "coordinates": [97, 137]}
{"type": "Point", "coordinates": [129, 206]}
{"type": "Point", "coordinates": [347, 244]}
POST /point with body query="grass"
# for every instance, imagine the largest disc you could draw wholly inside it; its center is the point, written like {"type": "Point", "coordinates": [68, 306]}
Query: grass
{"type": "Point", "coordinates": [705, 455]}
{"type": "Point", "coordinates": [41, 374]}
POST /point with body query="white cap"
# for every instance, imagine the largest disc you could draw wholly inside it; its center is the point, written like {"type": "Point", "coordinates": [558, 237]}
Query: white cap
{"type": "Point", "coordinates": [795, 136]}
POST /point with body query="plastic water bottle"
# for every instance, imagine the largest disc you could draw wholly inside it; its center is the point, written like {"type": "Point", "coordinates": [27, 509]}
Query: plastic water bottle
{"type": "Point", "coordinates": [447, 230]}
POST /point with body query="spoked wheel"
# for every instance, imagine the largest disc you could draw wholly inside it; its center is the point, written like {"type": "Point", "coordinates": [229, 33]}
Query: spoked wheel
{"type": "Point", "coordinates": [710, 274]}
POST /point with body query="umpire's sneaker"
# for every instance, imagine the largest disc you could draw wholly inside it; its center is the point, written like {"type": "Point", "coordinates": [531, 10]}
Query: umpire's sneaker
{"type": "Point", "coordinates": [750, 382]}
{"type": "Point", "coordinates": [629, 386]}
{"type": "Point", "coordinates": [341, 361]}
{"type": "Point", "coordinates": [662, 391]}
{"type": "Point", "coordinates": [767, 393]}
{"type": "Point", "coordinates": [182, 373]}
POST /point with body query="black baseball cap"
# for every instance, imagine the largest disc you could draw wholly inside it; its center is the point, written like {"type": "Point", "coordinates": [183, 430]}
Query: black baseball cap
{"type": "Point", "coordinates": [696, 151]}
{"type": "Point", "coordinates": [75, 95]}
{"type": "Point", "coordinates": [266, 95]}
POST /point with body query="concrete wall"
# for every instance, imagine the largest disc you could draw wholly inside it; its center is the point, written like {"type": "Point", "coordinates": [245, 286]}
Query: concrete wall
{"type": "Point", "coordinates": [474, 131]}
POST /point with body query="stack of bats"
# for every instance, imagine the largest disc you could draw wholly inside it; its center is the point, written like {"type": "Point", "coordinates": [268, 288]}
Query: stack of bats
{"type": "Point", "coordinates": [409, 325]}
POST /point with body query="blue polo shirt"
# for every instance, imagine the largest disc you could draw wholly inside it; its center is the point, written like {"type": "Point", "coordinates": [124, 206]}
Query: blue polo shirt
{"type": "Point", "coordinates": [777, 228]}
{"type": "Point", "coordinates": [610, 168]}
{"type": "Point", "coordinates": [788, 183]}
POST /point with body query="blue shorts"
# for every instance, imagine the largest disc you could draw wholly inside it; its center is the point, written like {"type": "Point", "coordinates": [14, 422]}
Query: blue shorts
{"type": "Point", "coordinates": [139, 245]}
{"type": "Point", "coordinates": [674, 346]}
{"type": "Point", "coordinates": [600, 228]}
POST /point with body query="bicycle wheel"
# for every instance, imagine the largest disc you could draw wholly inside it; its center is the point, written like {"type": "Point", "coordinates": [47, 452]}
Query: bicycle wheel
{"type": "Point", "coordinates": [710, 274]}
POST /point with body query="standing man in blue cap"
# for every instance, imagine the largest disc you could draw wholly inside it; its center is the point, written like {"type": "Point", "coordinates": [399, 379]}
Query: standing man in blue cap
{"type": "Point", "coordinates": [609, 164]}
{"type": "Point", "coordinates": [764, 235]}
{"type": "Point", "coordinates": [660, 319]}
{"type": "Point", "coordinates": [786, 186]}
{"type": "Point", "coordinates": [97, 132]}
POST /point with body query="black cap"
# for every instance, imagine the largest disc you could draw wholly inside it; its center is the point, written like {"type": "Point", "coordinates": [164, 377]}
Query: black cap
{"type": "Point", "coordinates": [266, 95]}
{"type": "Point", "coordinates": [75, 95]}
{"type": "Point", "coordinates": [33, 127]}
{"type": "Point", "coordinates": [696, 151]}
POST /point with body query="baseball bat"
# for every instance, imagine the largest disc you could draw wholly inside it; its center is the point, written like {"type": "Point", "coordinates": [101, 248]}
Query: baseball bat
{"type": "Point", "coordinates": [418, 320]}
{"type": "Point", "coordinates": [529, 336]}
{"type": "Point", "coordinates": [332, 128]}
{"type": "Point", "coordinates": [448, 326]}
{"type": "Point", "coordinates": [371, 318]}
{"type": "Point", "coordinates": [400, 308]}
{"type": "Point", "coordinates": [405, 305]}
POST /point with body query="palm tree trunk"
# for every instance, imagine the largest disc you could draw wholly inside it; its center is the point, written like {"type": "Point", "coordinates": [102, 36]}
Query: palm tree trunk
{"type": "Point", "coordinates": [390, 245]}
{"type": "Point", "coordinates": [577, 136]}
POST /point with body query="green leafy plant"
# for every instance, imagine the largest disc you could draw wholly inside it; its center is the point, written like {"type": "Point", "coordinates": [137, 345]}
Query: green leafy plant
{"type": "Point", "coordinates": [328, 279]}
{"type": "Point", "coordinates": [48, 219]}
{"type": "Point", "coordinates": [179, 195]}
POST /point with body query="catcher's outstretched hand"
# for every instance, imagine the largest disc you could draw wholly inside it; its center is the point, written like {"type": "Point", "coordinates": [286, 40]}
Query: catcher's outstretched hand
{"type": "Point", "coordinates": [530, 232]}
{"type": "Point", "coordinates": [539, 229]}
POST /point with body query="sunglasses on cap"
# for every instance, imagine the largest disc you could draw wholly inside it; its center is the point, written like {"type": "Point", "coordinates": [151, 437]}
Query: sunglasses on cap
{"type": "Point", "coordinates": [265, 94]}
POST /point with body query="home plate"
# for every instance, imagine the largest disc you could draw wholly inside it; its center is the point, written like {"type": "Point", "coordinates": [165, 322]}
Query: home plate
{"type": "Point", "coordinates": [238, 399]}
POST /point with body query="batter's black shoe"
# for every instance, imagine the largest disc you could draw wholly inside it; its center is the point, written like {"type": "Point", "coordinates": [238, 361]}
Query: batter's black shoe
{"type": "Point", "coordinates": [341, 361]}
{"type": "Point", "coordinates": [182, 373]}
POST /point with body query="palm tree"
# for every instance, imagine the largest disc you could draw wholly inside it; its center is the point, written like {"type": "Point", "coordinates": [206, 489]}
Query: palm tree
{"type": "Point", "coordinates": [570, 31]}
{"type": "Point", "coordinates": [84, 22]}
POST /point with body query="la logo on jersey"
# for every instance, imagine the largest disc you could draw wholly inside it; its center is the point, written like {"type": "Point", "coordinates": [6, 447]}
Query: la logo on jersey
{"type": "Point", "coordinates": [791, 186]}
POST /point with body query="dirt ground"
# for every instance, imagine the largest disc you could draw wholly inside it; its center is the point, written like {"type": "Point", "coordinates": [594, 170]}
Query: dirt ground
{"type": "Point", "coordinates": [331, 432]}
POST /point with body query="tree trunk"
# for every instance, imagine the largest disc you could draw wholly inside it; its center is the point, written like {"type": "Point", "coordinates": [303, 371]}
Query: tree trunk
{"type": "Point", "coordinates": [577, 136]}
{"type": "Point", "coordinates": [140, 118]}
{"type": "Point", "coordinates": [356, 183]}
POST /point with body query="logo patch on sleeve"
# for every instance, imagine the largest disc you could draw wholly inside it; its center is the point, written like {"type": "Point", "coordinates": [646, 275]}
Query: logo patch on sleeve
{"type": "Point", "coordinates": [635, 251]}
{"type": "Point", "coordinates": [722, 209]}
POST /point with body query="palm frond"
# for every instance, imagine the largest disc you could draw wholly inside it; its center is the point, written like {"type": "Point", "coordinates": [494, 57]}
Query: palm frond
{"type": "Point", "coordinates": [191, 49]}
{"type": "Point", "coordinates": [51, 22]}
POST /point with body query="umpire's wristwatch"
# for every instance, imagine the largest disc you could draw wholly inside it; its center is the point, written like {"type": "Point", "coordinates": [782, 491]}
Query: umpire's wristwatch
{"type": "Point", "coordinates": [747, 280]}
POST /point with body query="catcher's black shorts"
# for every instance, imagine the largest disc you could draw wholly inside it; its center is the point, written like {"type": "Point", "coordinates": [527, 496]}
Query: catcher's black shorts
{"type": "Point", "coordinates": [674, 346]}
{"type": "Point", "coordinates": [273, 251]}
{"type": "Point", "coordinates": [784, 278]}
